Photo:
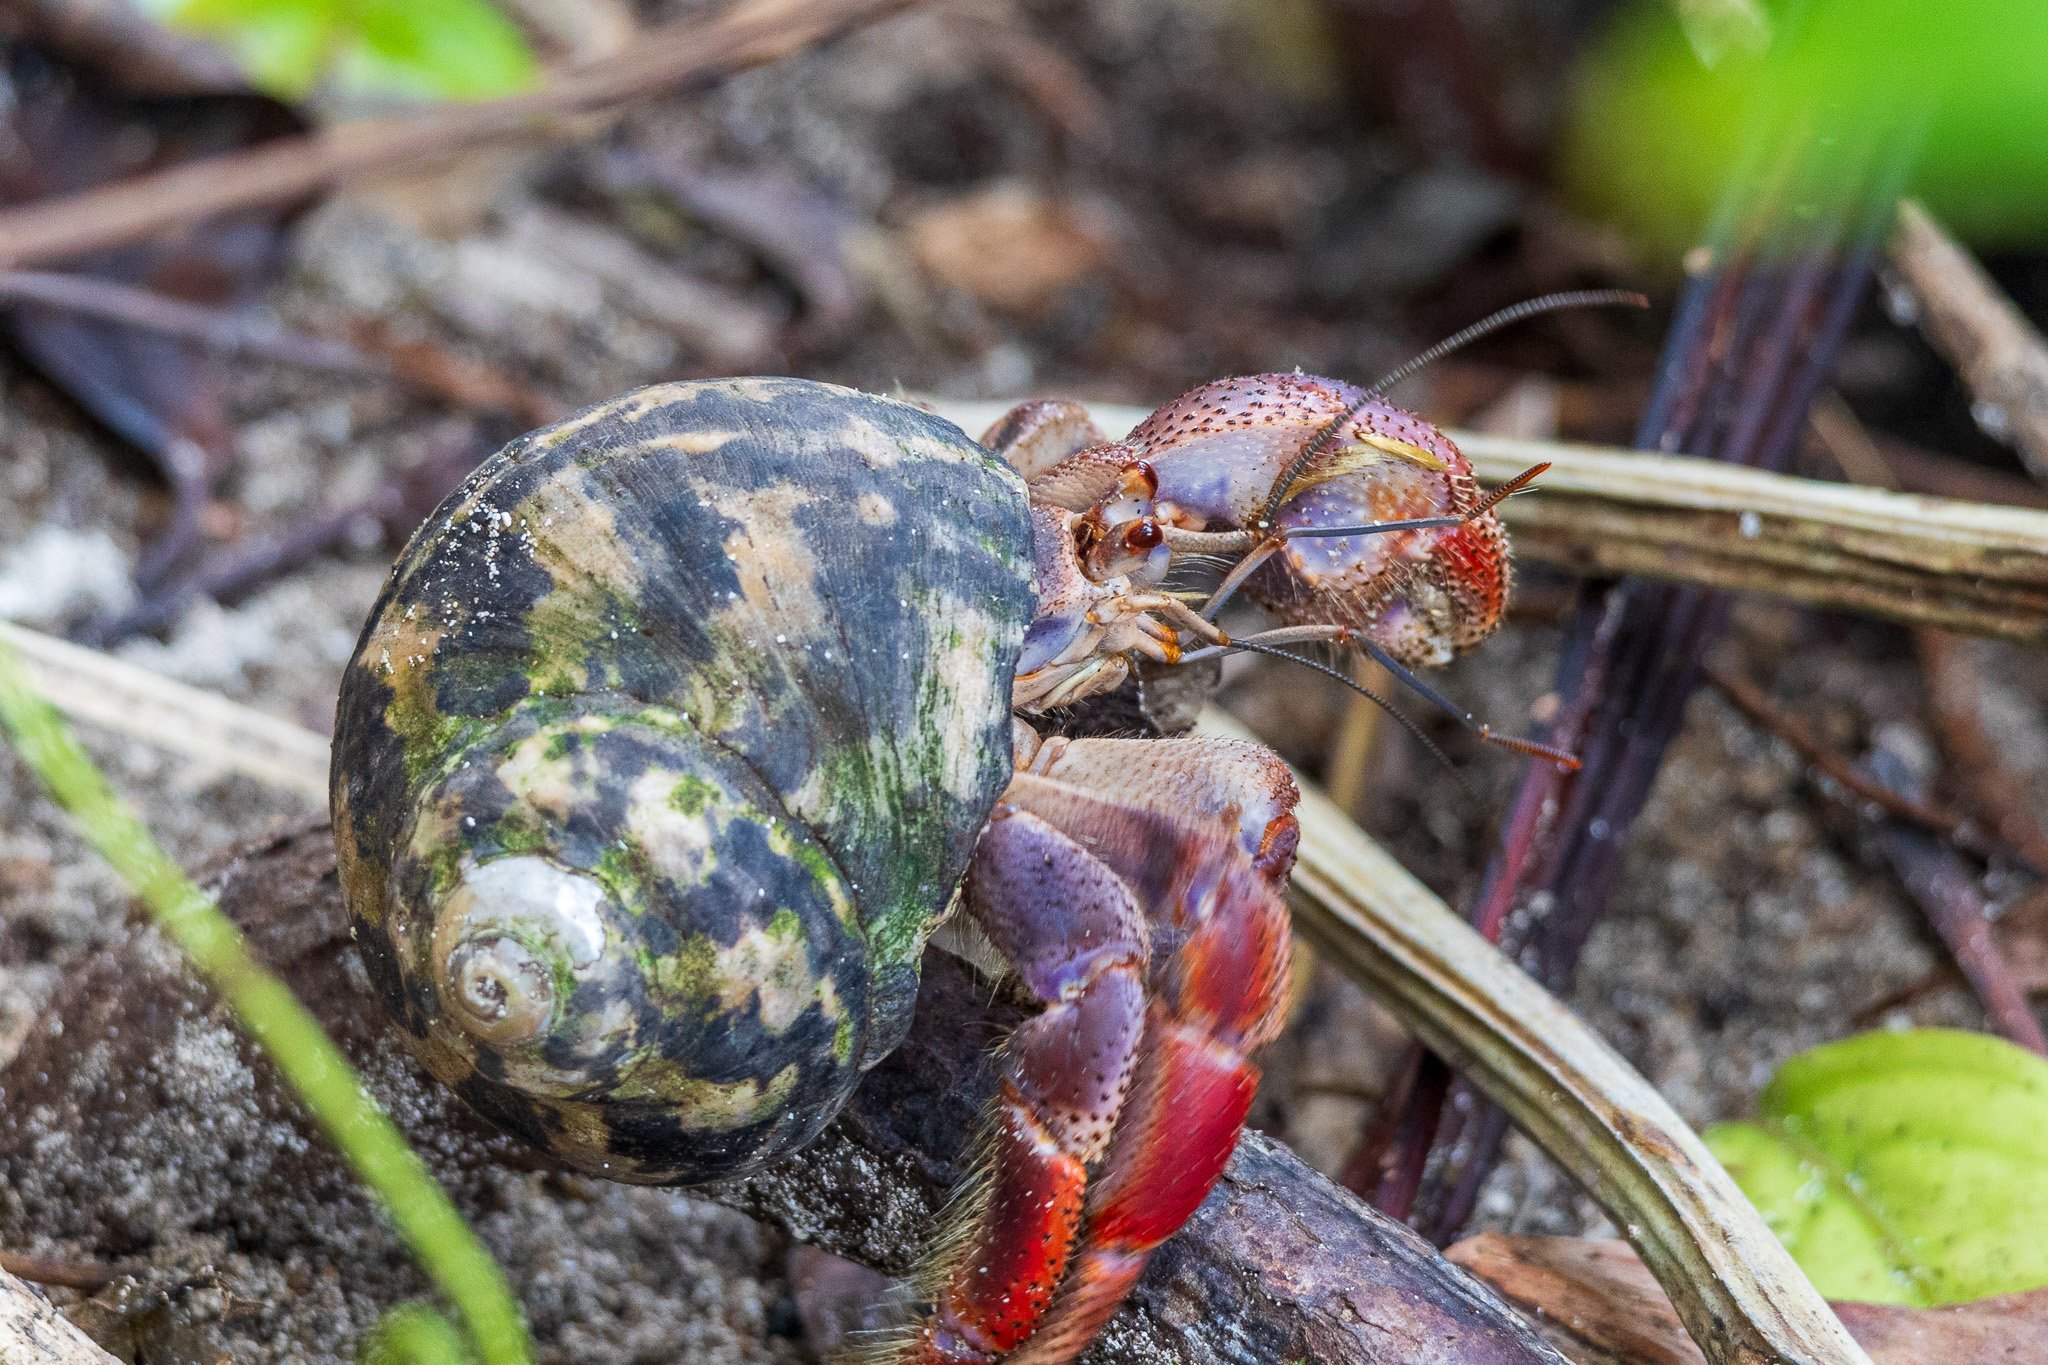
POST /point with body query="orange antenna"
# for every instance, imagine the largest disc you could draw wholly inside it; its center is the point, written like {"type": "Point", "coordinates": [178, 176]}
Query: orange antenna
{"type": "Point", "coordinates": [1528, 747]}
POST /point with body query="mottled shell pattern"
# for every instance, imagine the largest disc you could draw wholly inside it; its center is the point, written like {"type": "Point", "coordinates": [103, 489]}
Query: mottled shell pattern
{"type": "Point", "coordinates": [664, 750]}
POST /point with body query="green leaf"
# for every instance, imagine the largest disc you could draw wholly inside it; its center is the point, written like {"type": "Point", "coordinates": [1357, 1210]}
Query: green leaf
{"type": "Point", "coordinates": [435, 49]}
{"type": "Point", "coordinates": [1906, 1168]}
{"type": "Point", "coordinates": [415, 49]}
{"type": "Point", "coordinates": [1653, 135]}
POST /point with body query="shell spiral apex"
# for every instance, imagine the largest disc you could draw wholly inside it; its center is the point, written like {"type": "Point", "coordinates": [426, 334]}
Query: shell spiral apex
{"type": "Point", "coordinates": [664, 750]}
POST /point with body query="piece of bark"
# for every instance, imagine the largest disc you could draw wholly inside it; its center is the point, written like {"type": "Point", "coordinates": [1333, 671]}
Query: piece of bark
{"type": "Point", "coordinates": [1602, 1306]}
{"type": "Point", "coordinates": [34, 1333]}
{"type": "Point", "coordinates": [1278, 1265]}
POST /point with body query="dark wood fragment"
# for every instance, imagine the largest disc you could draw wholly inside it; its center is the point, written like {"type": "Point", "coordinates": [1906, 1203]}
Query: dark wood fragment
{"type": "Point", "coordinates": [1278, 1265]}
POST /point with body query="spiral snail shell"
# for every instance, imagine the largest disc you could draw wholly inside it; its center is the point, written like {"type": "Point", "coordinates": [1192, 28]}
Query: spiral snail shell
{"type": "Point", "coordinates": [662, 753]}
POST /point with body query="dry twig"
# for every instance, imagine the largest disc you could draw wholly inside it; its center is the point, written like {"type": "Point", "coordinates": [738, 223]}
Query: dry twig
{"type": "Point", "coordinates": [684, 55]}
{"type": "Point", "coordinates": [2001, 356]}
{"type": "Point", "coordinates": [1945, 889]}
{"type": "Point", "coordinates": [225, 331]}
{"type": "Point", "coordinates": [84, 1276]}
{"type": "Point", "coordinates": [217, 734]}
{"type": "Point", "coordinates": [1977, 763]}
{"type": "Point", "coordinates": [1603, 1307]}
{"type": "Point", "coordinates": [1832, 764]}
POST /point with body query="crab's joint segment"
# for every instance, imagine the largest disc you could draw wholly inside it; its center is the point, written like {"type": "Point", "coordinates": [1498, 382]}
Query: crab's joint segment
{"type": "Point", "coordinates": [1282, 635]}
{"type": "Point", "coordinates": [1565, 760]}
{"type": "Point", "coordinates": [1209, 542]}
{"type": "Point", "coordinates": [1001, 1285]}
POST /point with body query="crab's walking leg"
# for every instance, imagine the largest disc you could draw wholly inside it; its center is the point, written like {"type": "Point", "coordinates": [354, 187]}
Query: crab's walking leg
{"type": "Point", "coordinates": [1203, 834]}
{"type": "Point", "coordinates": [1077, 940]}
{"type": "Point", "coordinates": [1033, 437]}
{"type": "Point", "coordinates": [1135, 887]}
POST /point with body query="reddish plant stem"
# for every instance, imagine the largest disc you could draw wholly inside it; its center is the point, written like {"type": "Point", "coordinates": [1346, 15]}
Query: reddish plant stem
{"type": "Point", "coordinates": [1945, 889]}
{"type": "Point", "coordinates": [1747, 352]}
{"type": "Point", "coordinates": [1834, 765]}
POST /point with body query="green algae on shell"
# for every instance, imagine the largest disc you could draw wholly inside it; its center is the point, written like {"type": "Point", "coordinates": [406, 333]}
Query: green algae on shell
{"type": "Point", "coordinates": [717, 675]}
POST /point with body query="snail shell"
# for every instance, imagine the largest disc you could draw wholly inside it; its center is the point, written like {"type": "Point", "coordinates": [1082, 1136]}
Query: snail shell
{"type": "Point", "coordinates": [663, 752]}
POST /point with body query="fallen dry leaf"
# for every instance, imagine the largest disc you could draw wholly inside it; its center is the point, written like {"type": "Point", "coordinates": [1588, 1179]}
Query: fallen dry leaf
{"type": "Point", "coordinates": [1601, 1306]}
{"type": "Point", "coordinates": [1013, 249]}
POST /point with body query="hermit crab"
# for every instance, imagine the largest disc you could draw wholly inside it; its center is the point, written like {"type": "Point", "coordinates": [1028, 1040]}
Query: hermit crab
{"type": "Point", "coordinates": [682, 725]}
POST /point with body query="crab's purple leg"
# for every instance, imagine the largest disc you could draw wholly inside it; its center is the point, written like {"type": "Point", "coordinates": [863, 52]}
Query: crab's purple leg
{"type": "Point", "coordinates": [1077, 940]}
{"type": "Point", "coordinates": [1033, 437]}
{"type": "Point", "coordinates": [1203, 833]}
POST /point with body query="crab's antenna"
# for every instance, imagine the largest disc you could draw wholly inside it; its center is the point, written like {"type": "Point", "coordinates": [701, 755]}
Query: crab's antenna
{"type": "Point", "coordinates": [1507, 317]}
{"type": "Point", "coordinates": [1508, 489]}
{"type": "Point", "coordinates": [1527, 747]}
{"type": "Point", "coordinates": [1486, 326]}
{"type": "Point", "coordinates": [1362, 690]}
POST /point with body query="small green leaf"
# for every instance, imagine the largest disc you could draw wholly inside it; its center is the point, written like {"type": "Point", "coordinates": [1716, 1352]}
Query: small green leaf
{"type": "Point", "coordinates": [417, 49]}
{"type": "Point", "coordinates": [434, 49]}
{"type": "Point", "coordinates": [1905, 1168]}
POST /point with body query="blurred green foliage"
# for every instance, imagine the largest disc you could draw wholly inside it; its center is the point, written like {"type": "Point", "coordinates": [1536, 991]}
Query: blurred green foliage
{"type": "Point", "coordinates": [303, 1054]}
{"type": "Point", "coordinates": [1654, 131]}
{"type": "Point", "coordinates": [408, 49]}
{"type": "Point", "coordinates": [1903, 1167]}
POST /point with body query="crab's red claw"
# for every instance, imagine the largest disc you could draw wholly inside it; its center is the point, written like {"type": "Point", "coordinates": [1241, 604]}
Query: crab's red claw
{"type": "Point", "coordinates": [1136, 888]}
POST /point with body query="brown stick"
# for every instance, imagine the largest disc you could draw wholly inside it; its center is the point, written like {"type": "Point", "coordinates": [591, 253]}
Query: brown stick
{"type": "Point", "coordinates": [1602, 1305]}
{"type": "Point", "coordinates": [685, 55]}
{"type": "Point", "coordinates": [1977, 766]}
{"type": "Point", "coordinates": [1945, 889]}
{"type": "Point", "coordinates": [2001, 356]}
{"type": "Point", "coordinates": [1831, 763]}
{"type": "Point", "coordinates": [86, 1276]}
{"type": "Point", "coordinates": [222, 330]}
